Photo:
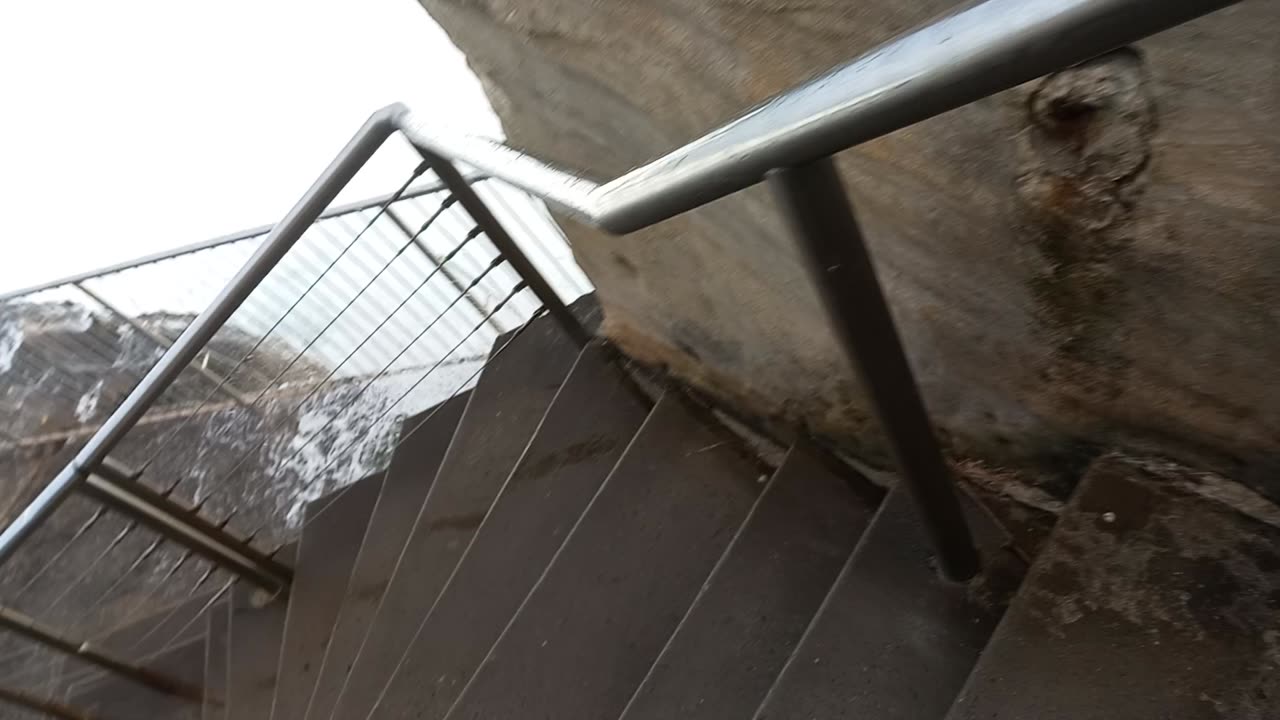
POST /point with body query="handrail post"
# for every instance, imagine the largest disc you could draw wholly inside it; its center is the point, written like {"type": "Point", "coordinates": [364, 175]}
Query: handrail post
{"type": "Point", "coordinates": [821, 219]}
{"type": "Point", "coordinates": [507, 246]}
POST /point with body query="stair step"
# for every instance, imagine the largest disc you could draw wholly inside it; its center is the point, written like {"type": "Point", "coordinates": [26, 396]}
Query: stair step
{"type": "Point", "coordinates": [605, 606]}
{"type": "Point", "coordinates": [760, 598]}
{"type": "Point", "coordinates": [335, 527]}
{"type": "Point", "coordinates": [508, 402]}
{"type": "Point", "coordinates": [216, 661]}
{"type": "Point", "coordinates": [255, 632]}
{"type": "Point", "coordinates": [409, 477]}
{"type": "Point", "coordinates": [115, 698]}
{"type": "Point", "coordinates": [892, 640]}
{"type": "Point", "coordinates": [1149, 601]}
{"type": "Point", "coordinates": [585, 431]}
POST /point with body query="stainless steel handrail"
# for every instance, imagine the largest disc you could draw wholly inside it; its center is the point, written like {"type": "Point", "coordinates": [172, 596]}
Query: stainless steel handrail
{"type": "Point", "coordinates": [966, 55]}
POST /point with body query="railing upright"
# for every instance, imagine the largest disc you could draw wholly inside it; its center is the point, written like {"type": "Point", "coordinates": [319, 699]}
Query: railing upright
{"type": "Point", "coordinates": [821, 220]}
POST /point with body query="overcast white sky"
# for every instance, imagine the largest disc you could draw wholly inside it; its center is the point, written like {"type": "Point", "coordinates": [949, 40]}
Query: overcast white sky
{"type": "Point", "coordinates": [133, 126]}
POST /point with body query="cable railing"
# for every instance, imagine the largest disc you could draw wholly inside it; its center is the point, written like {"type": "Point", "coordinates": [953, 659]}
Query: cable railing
{"type": "Point", "coordinates": [292, 355]}
{"type": "Point", "coordinates": [377, 311]}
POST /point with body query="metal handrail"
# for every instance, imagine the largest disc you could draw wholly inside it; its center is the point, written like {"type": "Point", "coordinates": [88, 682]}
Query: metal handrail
{"type": "Point", "coordinates": [963, 56]}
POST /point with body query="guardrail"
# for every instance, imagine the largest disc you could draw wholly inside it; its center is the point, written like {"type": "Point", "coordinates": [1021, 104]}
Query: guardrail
{"type": "Point", "coordinates": [375, 311]}
{"type": "Point", "coordinates": [964, 56]}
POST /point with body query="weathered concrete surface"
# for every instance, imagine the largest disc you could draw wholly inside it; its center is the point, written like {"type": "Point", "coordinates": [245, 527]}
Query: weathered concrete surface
{"type": "Point", "coordinates": [1087, 260]}
{"type": "Point", "coordinates": [1150, 600]}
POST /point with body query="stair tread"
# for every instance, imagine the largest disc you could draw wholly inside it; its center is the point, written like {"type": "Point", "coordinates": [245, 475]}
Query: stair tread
{"type": "Point", "coordinates": [409, 476]}
{"type": "Point", "coordinates": [216, 660]}
{"type": "Point", "coordinates": [508, 402]}
{"type": "Point", "coordinates": [892, 640]}
{"type": "Point", "coordinates": [253, 649]}
{"type": "Point", "coordinates": [594, 623]}
{"type": "Point", "coordinates": [1149, 601]}
{"type": "Point", "coordinates": [761, 597]}
{"type": "Point", "coordinates": [585, 431]}
{"type": "Point", "coordinates": [335, 527]}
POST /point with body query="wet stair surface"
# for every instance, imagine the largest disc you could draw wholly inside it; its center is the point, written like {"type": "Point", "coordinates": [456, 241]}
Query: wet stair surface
{"type": "Point", "coordinates": [560, 544]}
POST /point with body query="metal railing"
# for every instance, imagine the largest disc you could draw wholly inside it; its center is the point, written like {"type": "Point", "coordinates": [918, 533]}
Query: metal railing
{"type": "Point", "coordinates": [964, 56]}
{"type": "Point", "coordinates": [378, 310]}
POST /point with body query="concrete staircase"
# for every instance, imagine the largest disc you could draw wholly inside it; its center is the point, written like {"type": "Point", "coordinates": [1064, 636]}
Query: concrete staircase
{"type": "Point", "coordinates": [559, 544]}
